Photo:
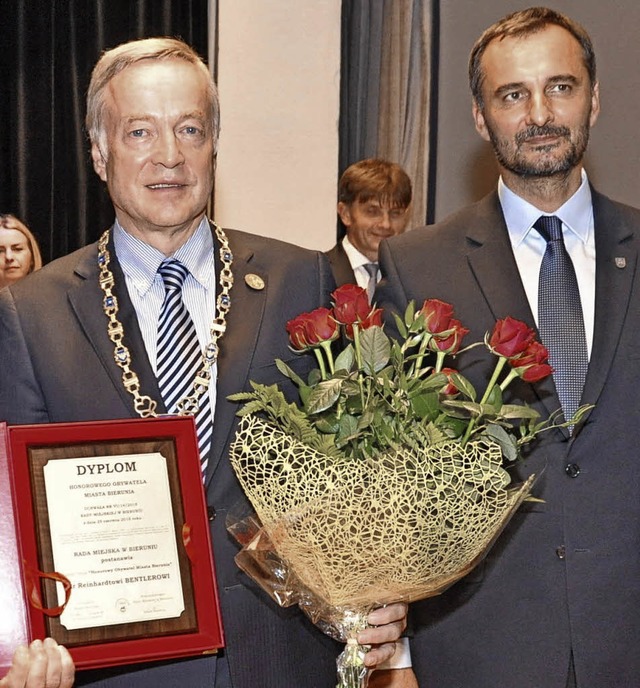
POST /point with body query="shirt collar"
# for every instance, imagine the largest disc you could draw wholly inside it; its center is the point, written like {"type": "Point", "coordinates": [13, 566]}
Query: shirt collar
{"type": "Point", "coordinates": [576, 213]}
{"type": "Point", "coordinates": [140, 261]}
{"type": "Point", "coordinates": [356, 258]}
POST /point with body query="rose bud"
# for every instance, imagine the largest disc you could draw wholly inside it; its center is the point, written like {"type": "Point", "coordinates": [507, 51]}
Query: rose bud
{"type": "Point", "coordinates": [320, 326]}
{"type": "Point", "coordinates": [373, 318]}
{"type": "Point", "coordinates": [351, 304]}
{"type": "Point", "coordinates": [510, 337]}
{"type": "Point", "coordinates": [532, 365]}
{"type": "Point", "coordinates": [296, 331]}
{"type": "Point", "coordinates": [437, 315]}
{"type": "Point", "coordinates": [450, 340]}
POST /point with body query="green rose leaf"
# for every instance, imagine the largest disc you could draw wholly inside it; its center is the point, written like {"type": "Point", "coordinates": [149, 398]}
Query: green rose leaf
{"type": "Point", "coordinates": [376, 349]}
{"type": "Point", "coordinates": [425, 405]}
{"type": "Point", "coordinates": [514, 412]}
{"type": "Point", "coordinates": [465, 387]}
{"type": "Point", "coordinates": [345, 359]}
{"type": "Point", "coordinates": [507, 442]}
{"type": "Point", "coordinates": [400, 326]}
{"type": "Point", "coordinates": [324, 396]}
{"type": "Point", "coordinates": [288, 372]}
{"type": "Point", "coordinates": [348, 428]}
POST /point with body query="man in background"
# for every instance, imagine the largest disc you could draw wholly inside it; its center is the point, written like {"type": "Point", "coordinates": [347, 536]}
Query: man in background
{"type": "Point", "coordinates": [374, 199]}
{"type": "Point", "coordinates": [95, 336]}
{"type": "Point", "coordinates": [555, 604]}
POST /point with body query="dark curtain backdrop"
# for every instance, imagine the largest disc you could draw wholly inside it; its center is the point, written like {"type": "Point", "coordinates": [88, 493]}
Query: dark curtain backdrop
{"type": "Point", "coordinates": [49, 48]}
{"type": "Point", "coordinates": [388, 90]}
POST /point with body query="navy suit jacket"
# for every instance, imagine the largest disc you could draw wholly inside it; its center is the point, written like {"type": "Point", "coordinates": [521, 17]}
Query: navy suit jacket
{"type": "Point", "coordinates": [57, 365]}
{"type": "Point", "coordinates": [563, 576]}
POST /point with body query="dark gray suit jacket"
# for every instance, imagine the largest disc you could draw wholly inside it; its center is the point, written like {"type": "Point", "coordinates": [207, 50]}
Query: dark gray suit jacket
{"type": "Point", "coordinates": [563, 577]}
{"type": "Point", "coordinates": [57, 365]}
{"type": "Point", "coordinates": [340, 265]}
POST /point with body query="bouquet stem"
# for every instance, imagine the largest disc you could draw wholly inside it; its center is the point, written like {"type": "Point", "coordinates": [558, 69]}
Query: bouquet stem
{"type": "Point", "coordinates": [352, 672]}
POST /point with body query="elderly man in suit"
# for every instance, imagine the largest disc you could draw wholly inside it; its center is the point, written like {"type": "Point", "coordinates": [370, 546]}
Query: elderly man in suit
{"type": "Point", "coordinates": [374, 199]}
{"type": "Point", "coordinates": [74, 333]}
{"type": "Point", "coordinates": [556, 603]}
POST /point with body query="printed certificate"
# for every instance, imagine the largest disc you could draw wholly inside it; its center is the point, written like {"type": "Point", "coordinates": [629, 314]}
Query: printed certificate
{"type": "Point", "coordinates": [115, 558]}
{"type": "Point", "coordinates": [113, 536]}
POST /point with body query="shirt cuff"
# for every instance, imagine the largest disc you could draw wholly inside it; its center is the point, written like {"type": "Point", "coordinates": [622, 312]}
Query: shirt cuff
{"type": "Point", "coordinates": [401, 658]}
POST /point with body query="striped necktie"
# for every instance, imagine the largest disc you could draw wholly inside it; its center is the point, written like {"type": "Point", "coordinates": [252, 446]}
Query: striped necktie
{"type": "Point", "coordinates": [560, 319]}
{"type": "Point", "coordinates": [179, 356]}
{"type": "Point", "coordinates": [372, 271]}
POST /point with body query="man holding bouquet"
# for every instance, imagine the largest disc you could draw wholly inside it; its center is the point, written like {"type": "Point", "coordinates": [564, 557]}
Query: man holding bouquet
{"type": "Point", "coordinates": [556, 603]}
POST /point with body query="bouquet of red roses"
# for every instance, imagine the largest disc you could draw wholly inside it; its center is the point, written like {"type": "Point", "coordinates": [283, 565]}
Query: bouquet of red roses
{"type": "Point", "coordinates": [386, 482]}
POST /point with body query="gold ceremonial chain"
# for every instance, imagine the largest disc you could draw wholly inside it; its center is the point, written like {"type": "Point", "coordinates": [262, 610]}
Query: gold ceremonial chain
{"type": "Point", "coordinates": [144, 405]}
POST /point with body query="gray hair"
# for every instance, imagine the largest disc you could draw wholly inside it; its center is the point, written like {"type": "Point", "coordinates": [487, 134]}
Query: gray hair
{"type": "Point", "coordinates": [114, 61]}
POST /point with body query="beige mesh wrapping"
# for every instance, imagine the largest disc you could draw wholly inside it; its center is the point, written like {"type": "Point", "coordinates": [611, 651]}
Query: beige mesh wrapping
{"type": "Point", "coordinates": [400, 527]}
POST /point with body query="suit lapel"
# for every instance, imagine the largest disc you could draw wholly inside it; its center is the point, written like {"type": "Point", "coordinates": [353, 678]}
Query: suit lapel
{"type": "Point", "coordinates": [492, 263]}
{"type": "Point", "coordinates": [87, 302]}
{"type": "Point", "coordinates": [238, 344]}
{"type": "Point", "coordinates": [616, 257]}
{"type": "Point", "coordinates": [340, 265]}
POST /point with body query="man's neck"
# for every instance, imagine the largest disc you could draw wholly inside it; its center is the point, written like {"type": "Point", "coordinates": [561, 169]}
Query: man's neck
{"type": "Point", "coordinates": [545, 193]}
{"type": "Point", "coordinates": [166, 240]}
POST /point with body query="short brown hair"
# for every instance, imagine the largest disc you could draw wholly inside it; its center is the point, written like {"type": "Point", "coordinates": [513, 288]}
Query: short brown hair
{"type": "Point", "coordinates": [378, 179]}
{"type": "Point", "coordinates": [524, 23]}
{"type": "Point", "coordinates": [11, 222]}
{"type": "Point", "coordinates": [117, 59]}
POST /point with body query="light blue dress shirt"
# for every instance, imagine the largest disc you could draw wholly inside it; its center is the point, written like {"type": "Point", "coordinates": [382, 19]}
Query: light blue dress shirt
{"type": "Point", "coordinates": [140, 263]}
{"type": "Point", "coordinates": [529, 246]}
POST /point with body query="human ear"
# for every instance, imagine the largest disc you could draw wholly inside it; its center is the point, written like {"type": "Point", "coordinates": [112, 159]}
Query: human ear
{"type": "Point", "coordinates": [479, 120]}
{"type": "Point", "coordinates": [595, 104]}
{"type": "Point", "coordinates": [344, 212]}
{"type": "Point", "coordinates": [99, 161]}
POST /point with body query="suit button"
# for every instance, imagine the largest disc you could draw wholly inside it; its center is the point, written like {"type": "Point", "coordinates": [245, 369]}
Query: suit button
{"type": "Point", "coordinates": [211, 513]}
{"type": "Point", "coordinates": [561, 552]}
{"type": "Point", "coordinates": [572, 470]}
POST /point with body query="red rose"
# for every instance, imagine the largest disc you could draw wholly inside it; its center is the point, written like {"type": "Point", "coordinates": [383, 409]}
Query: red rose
{"type": "Point", "coordinates": [532, 365]}
{"type": "Point", "coordinates": [450, 342]}
{"type": "Point", "coordinates": [374, 317]}
{"type": "Point", "coordinates": [535, 373]}
{"type": "Point", "coordinates": [311, 329]}
{"type": "Point", "coordinates": [351, 304]}
{"type": "Point", "coordinates": [437, 315]}
{"type": "Point", "coordinates": [510, 337]}
{"type": "Point", "coordinates": [295, 329]}
{"type": "Point", "coordinates": [320, 326]}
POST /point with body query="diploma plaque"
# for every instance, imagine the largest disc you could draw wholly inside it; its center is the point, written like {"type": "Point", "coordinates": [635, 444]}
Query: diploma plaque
{"type": "Point", "coordinates": [105, 541]}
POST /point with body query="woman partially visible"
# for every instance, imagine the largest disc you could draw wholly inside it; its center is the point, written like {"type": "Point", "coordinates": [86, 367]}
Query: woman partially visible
{"type": "Point", "coordinates": [19, 251]}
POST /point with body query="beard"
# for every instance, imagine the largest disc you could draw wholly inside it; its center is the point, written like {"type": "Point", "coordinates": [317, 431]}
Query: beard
{"type": "Point", "coordinates": [545, 160]}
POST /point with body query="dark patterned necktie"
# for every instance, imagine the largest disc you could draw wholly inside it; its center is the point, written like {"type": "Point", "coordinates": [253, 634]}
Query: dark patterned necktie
{"type": "Point", "coordinates": [560, 319]}
{"type": "Point", "coordinates": [179, 354]}
{"type": "Point", "coordinates": [372, 271]}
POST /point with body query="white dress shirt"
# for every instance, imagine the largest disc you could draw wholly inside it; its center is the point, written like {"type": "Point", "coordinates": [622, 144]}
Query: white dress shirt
{"type": "Point", "coordinates": [529, 246]}
{"type": "Point", "coordinates": [140, 263]}
{"type": "Point", "coordinates": [358, 261]}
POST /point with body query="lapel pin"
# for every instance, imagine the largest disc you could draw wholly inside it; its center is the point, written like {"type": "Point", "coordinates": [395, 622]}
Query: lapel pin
{"type": "Point", "coordinates": [254, 281]}
{"type": "Point", "coordinates": [621, 262]}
